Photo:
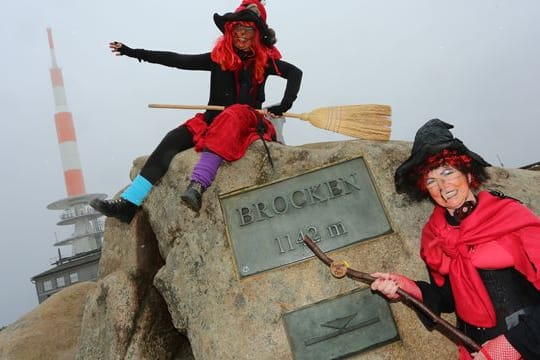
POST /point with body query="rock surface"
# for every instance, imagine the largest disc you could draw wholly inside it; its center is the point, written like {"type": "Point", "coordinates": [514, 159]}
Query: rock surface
{"type": "Point", "coordinates": [168, 287]}
{"type": "Point", "coordinates": [226, 317]}
{"type": "Point", "coordinates": [50, 331]}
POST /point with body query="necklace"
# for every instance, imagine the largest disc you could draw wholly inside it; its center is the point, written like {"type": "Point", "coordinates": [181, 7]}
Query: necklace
{"type": "Point", "coordinates": [464, 210]}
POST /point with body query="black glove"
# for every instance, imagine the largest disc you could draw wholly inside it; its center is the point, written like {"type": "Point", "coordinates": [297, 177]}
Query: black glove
{"type": "Point", "coordinates": [127, 51]}
{"type": "Point", "coordinates": [121, 49]}
{"type": "Point", "coordinates": [279, 109]}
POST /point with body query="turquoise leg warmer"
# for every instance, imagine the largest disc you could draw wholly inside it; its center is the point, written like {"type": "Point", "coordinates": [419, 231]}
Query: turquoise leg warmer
{"type": "Point", "coordinates": [137, 191]}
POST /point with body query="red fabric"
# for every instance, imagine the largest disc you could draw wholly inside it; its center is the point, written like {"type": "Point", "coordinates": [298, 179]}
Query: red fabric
{"type": "Point", "coordinates": [464, 353]}
{"type": "Point", "coordinates": [410, 287]}
{"type": "Point", "coordinates": [231, 132]}
{"type": "Point", "coordinates": [491, 255]}
{"type": "Point", "coordinates": [500, 349]}
{"type": "Point", "coordinates": [497, 348]}
{"type": "Point", "coordinates": [486, 354]}
{"type": "Point", "coordinates": [445, 249]}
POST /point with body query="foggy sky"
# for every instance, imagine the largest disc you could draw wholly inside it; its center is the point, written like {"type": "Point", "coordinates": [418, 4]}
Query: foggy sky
{"type": "Point", "coordinates": [472, 63]}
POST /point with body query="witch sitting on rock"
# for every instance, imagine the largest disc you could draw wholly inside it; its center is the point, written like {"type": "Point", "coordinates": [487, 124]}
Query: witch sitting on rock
{"type": "Point", "coordinates": [239, 64]}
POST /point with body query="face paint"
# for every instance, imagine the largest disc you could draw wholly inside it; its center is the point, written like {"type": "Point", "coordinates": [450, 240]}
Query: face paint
{"type": "Point", "coordinates": [242, 36]}
{"type": "Point", "coordinates": [448, 187]}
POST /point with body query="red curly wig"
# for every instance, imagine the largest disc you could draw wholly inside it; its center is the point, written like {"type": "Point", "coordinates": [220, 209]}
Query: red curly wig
{"type": "Point", "coordinates": [225, 55]}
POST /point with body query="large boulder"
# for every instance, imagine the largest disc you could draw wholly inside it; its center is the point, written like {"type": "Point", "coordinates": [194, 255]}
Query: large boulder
{"type": "Point", "coordinates": [50, 331]}
{"type": "Point", "coordinates": [125, 316]}
{"type": "Point", "coordinates": [169, 288]}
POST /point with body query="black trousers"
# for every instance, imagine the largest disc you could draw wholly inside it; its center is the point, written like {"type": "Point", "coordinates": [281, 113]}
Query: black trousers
{"type": "Point", "coordinates": [176, 140]}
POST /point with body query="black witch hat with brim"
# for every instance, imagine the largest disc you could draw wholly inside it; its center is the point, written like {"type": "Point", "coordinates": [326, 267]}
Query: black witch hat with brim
{"type": "Point", "coordinates": [249, 11]}
{"type": "Point", "coordinates": [432, 138]}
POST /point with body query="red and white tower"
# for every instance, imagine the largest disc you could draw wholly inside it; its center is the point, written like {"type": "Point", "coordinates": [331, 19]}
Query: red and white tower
{"type": "Point", "coordinates": [88, 232]}
{"type": "Point", "coordinates": [73, 175]}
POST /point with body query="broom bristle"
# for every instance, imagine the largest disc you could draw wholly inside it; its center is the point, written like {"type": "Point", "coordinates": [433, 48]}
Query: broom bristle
{"type": "Point", "coordinates": [370, 121]}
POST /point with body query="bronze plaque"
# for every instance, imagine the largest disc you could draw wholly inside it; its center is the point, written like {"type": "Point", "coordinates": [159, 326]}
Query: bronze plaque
{"type": "Point", "coordinates": [341, 327]}
{"type": "Point", "coordinates": [336, 206]}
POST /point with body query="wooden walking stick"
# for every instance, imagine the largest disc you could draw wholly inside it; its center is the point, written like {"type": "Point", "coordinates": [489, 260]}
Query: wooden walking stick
{"type": "Point", "coordinates": [341, 269]}
{"type": "Point", "coordinates": [370, 122]}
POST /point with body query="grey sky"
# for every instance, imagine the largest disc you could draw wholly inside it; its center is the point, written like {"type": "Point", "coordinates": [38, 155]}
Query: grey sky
{"type": "Point", "coordinates": [473, 63]}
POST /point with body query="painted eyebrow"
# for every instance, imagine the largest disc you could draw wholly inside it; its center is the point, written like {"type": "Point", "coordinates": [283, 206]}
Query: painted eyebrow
{"type": "Point", "coordinates": [443, 169]}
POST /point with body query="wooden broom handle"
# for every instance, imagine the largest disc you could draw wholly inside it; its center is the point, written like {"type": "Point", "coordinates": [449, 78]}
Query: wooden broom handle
{"type": "Point", "coordinates": [209, 107]}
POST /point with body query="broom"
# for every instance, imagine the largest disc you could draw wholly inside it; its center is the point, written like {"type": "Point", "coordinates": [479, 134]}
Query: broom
{"type": "Point", "coordinates": [371, 122]}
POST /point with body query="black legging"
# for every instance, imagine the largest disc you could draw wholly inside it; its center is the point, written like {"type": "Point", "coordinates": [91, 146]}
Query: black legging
{"type": "Point", "coordinates": [176, 140]}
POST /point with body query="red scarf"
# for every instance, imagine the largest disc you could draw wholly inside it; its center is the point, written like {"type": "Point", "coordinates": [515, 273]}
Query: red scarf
{"type": "Point", "coordinates": [445, 249]}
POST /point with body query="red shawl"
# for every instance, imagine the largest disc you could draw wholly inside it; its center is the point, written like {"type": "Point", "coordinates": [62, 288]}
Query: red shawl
{"type": "Point", "coordinates": [445, 249]}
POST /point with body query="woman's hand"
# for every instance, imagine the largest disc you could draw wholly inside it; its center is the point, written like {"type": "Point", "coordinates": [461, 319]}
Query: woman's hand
{"type": "Point", "coordinates": [119, 49]}
{"type": "Point", "coordinates": [389, 283]}
{"type": "Point", "coordinates": [386, 284]}
{"type": "Point", "coordinates": [115, 47]}
{"type": "Point", "coordinates": [267, 114]}
{"type": "Point", "coordinates": [278, 110]}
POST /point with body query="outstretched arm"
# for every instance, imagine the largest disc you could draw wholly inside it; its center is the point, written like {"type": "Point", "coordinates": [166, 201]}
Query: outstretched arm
{"type": "Point", "coordinates": [167, 58]}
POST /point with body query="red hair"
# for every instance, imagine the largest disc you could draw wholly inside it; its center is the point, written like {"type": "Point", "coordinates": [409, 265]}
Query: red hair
{"type": "Point", "coordinates": [449, 158]}
{"type": "Point", "coordinates": [225, 55]}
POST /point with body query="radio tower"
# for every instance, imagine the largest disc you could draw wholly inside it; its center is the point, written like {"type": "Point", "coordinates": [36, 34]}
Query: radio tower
{"type": "Point", "coordinates": [88, 232]}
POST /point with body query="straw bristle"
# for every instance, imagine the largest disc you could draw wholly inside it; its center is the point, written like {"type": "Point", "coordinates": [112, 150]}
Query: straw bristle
{"type": "Point", "coordinates": [370, 121]}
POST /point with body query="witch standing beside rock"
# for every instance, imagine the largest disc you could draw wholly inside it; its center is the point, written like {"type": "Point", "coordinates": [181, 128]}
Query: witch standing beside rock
{"type": "Point", "coordinates": [482, 249]}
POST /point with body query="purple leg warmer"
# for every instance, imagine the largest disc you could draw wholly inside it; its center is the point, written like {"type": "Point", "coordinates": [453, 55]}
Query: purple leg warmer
{"type": "Point", "coordinates": [206, 168]}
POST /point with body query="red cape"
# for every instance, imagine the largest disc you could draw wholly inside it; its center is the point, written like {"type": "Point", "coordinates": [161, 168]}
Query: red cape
{"type": "Point", "coordinates": [445, 249]}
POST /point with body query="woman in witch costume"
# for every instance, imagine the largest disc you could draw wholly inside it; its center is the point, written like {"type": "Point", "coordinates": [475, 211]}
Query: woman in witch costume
{"type": "Point", "coordinates": [239, 65]}
{"type": "Point", "coordinates": [482, 249]}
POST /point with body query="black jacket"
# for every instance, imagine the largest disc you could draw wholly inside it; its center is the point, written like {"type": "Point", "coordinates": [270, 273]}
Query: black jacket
{"type": "Point", "coordinates": [223, 85]}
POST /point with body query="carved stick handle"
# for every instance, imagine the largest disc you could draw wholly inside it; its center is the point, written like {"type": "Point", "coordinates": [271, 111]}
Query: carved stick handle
{"type": "Point", "coordinates": [366, 278]}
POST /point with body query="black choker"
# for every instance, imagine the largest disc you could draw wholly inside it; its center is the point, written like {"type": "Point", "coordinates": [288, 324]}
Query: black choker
{"type": "Point", "coordinates": [464, 210]}
{"type": "Point", "coordinates": [244, 55]}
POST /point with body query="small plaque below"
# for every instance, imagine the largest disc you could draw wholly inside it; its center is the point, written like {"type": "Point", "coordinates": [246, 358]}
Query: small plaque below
{"type": "Point", "coordinates": [341, 327]}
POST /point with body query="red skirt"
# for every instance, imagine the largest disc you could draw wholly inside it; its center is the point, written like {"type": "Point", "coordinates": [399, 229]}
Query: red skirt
{"type": "Point", "coordinates": [230, 133]}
